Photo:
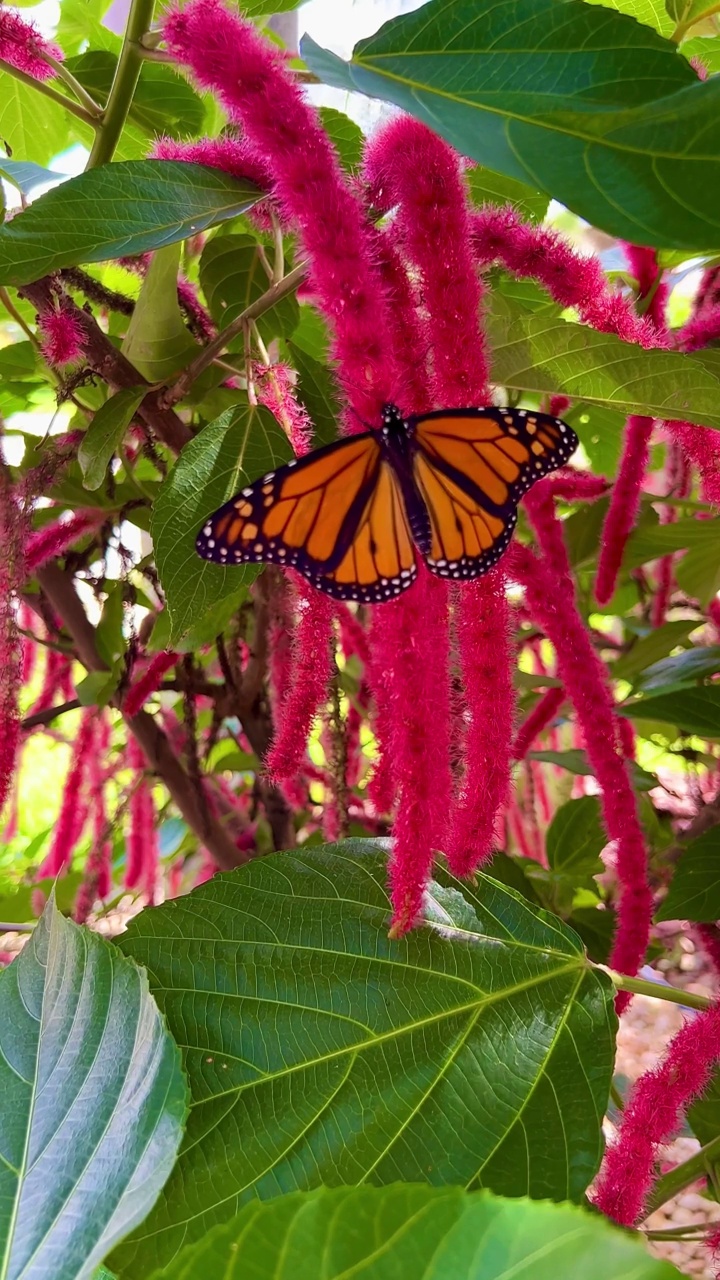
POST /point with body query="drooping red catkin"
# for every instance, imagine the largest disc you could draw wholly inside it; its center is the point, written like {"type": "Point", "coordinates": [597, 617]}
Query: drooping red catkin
{"type": "Point", "coordinates": [572, 280]}
{"type": "Point", "coordinates": [22, 46]}
{"type": "Point", "coordinates": [276, 391]}
{"type": "Point", "coordinates": [678, 485]}
{"type": "Point", "coordinates": [653, 1114]}
{"type": "Point", "coordinates": [232, 155]}
{"type": "Point", "coordinates": [408, 166]}
{"type": "Point", "coordinates": [62, 339]}
{"type": "Point", "coordinates": [141, 841]}
{"type": "Point", "coordinates": [311, 677]}
{"type": "Point", "coordinates": [75, 803]}
{"type": "Point", "coordinates": [710, 942]}
{"type": "Point", "coordinates": [624, 504]}
{"type": "Point", "coordinates": [281, 624]}
{"type": "Point", "coordinates": [551, 599]}
{"type": "Point", "coordinates": [97, 878]}
{"type": "Point", "coordinates": [227, 55]}
{"type": "Point", "coordinates": [13, 525]}
{"type": "Point", "coordinates": [701, 445]}
{"type": "Point", "coordinates": [148, 684]}
{"type": "Point", "coordinates": [537, 720]}
{"type": "Point", "coordinates": [56, 538]}
{"type": "Point", "coordinates": [646, 269]}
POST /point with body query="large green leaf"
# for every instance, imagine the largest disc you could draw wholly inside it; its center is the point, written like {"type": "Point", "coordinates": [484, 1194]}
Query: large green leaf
{"type": "Point", "coordinates": [545, 354]}
{"type": "Point", "coordinates": [117, 210]}
{"type": "Point", "coordinates": [238, 447]}
{"type": "Point", "coordinates": [232, 277]}
{"type": "Point", "coordinates": [690, 710]}
{"type": "Point", "coordinates": [487, 187]}
{"type": "Point", "coordinates": [579, 101]}
{"type": "Point", "coordinates": [694, 892]}
{"type": "Point", "coordinates": [649, 541]}
{"type": "Point", "coordinates": [476, 1050]}
{"type": "Point", "coordinates": [92, 1103]}
{"type": "Point", "coordinates": [318, 392]}
{"type": "Point", "coordinates": [575, 839]}
{"type": "Point", "coordinates": [392, 1233]}
{"type": "Point", "coordinates": [684, 668]}
{"type": "Point", "coordinates": [650, 648]}
{"type": "Point", "coordinates": [31, 128]}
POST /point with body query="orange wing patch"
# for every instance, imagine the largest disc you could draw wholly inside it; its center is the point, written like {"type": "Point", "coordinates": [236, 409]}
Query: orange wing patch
{"type": "Point", "coordinates": [380, 563]}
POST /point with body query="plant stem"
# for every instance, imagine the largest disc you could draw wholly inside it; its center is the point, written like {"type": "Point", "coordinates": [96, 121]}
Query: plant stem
{"type": "Point", "coordinates": [123, 86]}
{"type": "Point", "coordinates": [676, 1180]}
{"type": "Point", "coordinates": [656, 990]}
{"type": "Point", "coordinates": [8, 927]}
{"type": "Point", "coordinates": [42, 87]}
{"type": "Point", "coordinates": [74, 86]}
{"type": "Point", "coordinates": [12, 311]}
{"type": "Point", "coordinates": [215, 348]}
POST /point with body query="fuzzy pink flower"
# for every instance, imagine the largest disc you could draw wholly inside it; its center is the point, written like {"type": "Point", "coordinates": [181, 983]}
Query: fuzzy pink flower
{"type": "Point", "coordinates": [311, 676]}
{"type": "Point", "coordinates": [62, 338]}
{"type": "Point", "coordinates": [148, 684]}
{"type": "Point", "coordinates": [12, 575]}
{"type": "Point", "coordinates": [276, 390]}
{"type": "Point", "coordinates": [97, 879]}
{"type": "Point", "coordinates": [22, 46]}
{"type": "Point", "coordinates": [202, 325]}
{"type": "Point", "coordinates": [232, 155]}
{"type": "Point", "coordinates": [280, 642]}
{"type": "Point", "coordinates": [228, 56]}
{"type": "Point", "coordinates": [644, 266]}
{"type": "Point", "coordinates": [75, 803]}
{"type": "Point", "coordinates": [500, 235]}
{"type": "Point", "coordinates": [57, 670]}
{"type": "Point", "coordinates": [710, 942]}
{"type": "Point", "coordinates": [537, 720]}
{"type": "Point", "coordinates": [56, 538]}
{"type": "Point", "coordinates": [26, 622]}
{"type": "Point", "coordinates": [142, 846]}
{"type": "Point", "coordinates": [551, 599]}
{"type": "Point", "coordinates": [653, 1114]}
{"type": "Point", "coordinates": [624, 504]}
{"type": "Point", "coordinates": [701, 445]}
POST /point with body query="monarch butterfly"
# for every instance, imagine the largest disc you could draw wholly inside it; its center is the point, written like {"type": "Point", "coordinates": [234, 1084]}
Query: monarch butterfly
{"type": "Point", "coordinates": [347, 515]}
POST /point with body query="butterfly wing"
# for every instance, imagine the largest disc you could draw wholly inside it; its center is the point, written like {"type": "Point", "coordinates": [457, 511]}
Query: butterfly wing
{"type": "Point", "coordinates": [472, 467]}
{"type": "Point", "coordinates": [337, 516]}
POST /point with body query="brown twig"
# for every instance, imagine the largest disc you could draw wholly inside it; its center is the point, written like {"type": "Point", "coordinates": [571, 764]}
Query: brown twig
{"type": "Point", "coordinates": [49, 714]}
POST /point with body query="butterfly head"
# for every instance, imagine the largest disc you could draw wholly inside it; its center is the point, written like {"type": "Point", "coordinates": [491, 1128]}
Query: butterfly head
{"type": "Point", "coordinates": [391, 418]}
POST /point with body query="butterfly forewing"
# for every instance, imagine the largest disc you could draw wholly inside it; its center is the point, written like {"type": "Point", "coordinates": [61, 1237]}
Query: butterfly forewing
{"type": "Point", "coordinates": [472, 467]}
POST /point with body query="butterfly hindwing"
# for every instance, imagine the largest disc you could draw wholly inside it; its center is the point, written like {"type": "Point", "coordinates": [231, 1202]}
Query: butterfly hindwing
{"type": "Point", "coordinates": [472, 467]}
{"type": "Point", "coordinates": [337, 516]}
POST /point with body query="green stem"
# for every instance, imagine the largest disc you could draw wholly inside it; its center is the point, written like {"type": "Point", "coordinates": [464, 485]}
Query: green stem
{"type": "Point", "coordinates": [677, 1233]}
{"type": "Point", "coordinates": [74, 86]}
{"type": "Point", "coordinates": [12, 311]}
{"type": "Point", "coordinates": [656, 990]}
{"type": "Point", "coordinates": [677, 1179]}
{"type": "Point", "coordinates": [123, 85]}
{"type": "Point", "coordinates": [42, 87]}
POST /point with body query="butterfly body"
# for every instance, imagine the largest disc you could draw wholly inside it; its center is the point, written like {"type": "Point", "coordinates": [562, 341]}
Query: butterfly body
{"type": "Point", "coordinates": [350, 515]}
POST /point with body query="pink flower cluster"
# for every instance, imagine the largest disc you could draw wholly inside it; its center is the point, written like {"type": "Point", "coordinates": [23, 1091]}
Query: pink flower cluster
{"type": "Point", "coordinates": [22, 46]}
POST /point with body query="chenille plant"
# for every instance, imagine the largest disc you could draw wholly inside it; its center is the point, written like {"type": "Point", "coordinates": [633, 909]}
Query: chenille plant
{"type": "Point", "coordinates": [318, 915]}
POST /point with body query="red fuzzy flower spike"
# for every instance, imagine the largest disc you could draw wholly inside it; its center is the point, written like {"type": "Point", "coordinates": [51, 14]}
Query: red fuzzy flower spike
{"type": "Point", "coordinates": [542, 714]}
{"type": "Point", "coordinates": [311, 676]}
{"type": "Point", "coordinates": [142, 846]}
{"type": "Point", "coordinates": [57, 538]}
{"type": "Point", "coordinates": [62, 338]}
{"type": "Point", "coordinates": [22, 46]}
{"type": "Point", "coordinates": [275, 390]}
{"type": "Point", "coordinates": [653, 1115]}
{"type": "Point", "coordinates": [148, 684]}
{"type": "Point", "coordinates": [624, 505]}
{"type": "Point", "coordinates": [75, 804]}
{"type": "Point", "coordinates": [227, 55]}
{"type": "Point", "coordinates": [12, 576]}
{"type": "Point", "coordinates": [550, 596]}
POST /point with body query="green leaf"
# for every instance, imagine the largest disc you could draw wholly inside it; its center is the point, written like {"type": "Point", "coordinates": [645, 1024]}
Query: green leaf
{"type": "Point", "coordinates": [694, 892]}
{"type": "Point", "coordinates": [690, 710]}
{"type": "Point", "coordinates": [25, 175]}
{"type": "Point", "coordinates": [544, 354]}
{"type": "Point", "coordinates": [596, 927]}
{"type": "Point", "coordinates": [31, 128]}
{"type": "Point", "coordinates": [698, 16]}
{"type": "Point", "coordinates": [163, 103]}
{"type": "Point", "coordinates": [321, 1051]}
{"type": "Point", "coordinates": [117, 210]}
{"type": "Point", "coordinates": [601, 435]}
{"type": "Point", "coordinates": [318, 392]}
{"type": "Point", "coordinates": [19, 360]}
{"type": "Point", "coordinates": [232, 277]}
{"type": "Point", "coordinates": [18, 905]}
{"type": "Point", "coordinates": [650, 541]}
{"type": "Point", "coordinates": [92, 1103]}
{"type": "Point", "coordinates": [392, 1232]}
{"type": "Point", "coordinates": [157, 342]}
{"type": "Point", "coordinates": [105, 433]}
{"type": "Point", "coordinates": [698, 572]}
{"type": "Point", "coordinates": [576, 761]}
{"type": "Point", "coordinates": [704, 1114]}
{"type": "Point", "coordinates": [651, 648]}
{"type": "Point", "coordinates": [578, 101]}
{"type": "Point", "coordinates": [238, 447]}
{"type": "Point", "coordinates": [487, 187]}
{"type": "Point", "coordinates": [575, 839]}
{"type": "Point", "coordinates": [310, 333]}
{"type": "Point", "coordinates": [685, 668]}
{"type": "Point", "coordinates": [345, 135]}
